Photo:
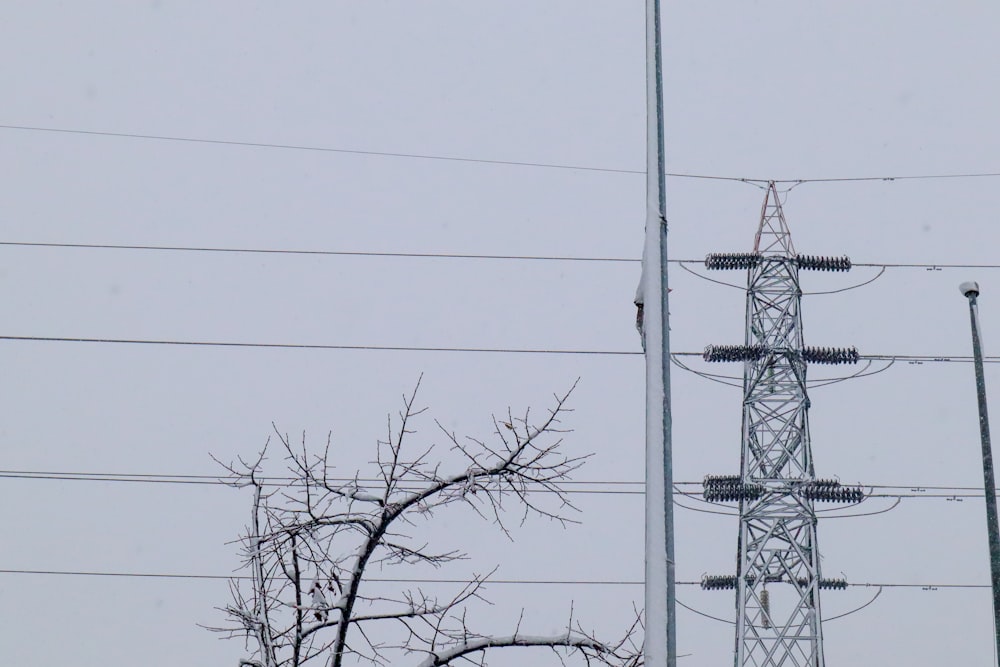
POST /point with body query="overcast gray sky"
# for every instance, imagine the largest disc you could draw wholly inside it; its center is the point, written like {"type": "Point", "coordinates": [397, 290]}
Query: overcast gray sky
{"type": "Point", "coordinates": [769, 89]}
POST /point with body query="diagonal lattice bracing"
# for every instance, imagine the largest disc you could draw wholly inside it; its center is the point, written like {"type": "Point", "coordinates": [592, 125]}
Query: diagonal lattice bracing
{"type": "Point", "coordinates": [778, 579]}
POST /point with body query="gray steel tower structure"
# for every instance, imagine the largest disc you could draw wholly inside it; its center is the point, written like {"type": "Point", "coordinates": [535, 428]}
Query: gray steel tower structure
{"type": "Point", "coordinates": [778, 578]}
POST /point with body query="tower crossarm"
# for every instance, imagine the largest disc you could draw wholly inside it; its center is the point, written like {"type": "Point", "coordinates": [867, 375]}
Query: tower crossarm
{"type": "Point", "coordinates": [778, 578]}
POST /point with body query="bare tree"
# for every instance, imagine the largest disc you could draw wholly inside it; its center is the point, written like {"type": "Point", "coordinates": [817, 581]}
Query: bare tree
{"type": "Point", "coordinates": [313, 538]}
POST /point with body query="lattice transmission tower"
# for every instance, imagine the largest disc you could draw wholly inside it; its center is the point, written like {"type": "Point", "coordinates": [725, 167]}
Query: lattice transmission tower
{"type": "Point", "coordinates": [778, 578]}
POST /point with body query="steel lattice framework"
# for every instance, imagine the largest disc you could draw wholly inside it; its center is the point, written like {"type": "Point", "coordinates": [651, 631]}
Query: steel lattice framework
{"type": "Point", "coordinates": [778, 577]}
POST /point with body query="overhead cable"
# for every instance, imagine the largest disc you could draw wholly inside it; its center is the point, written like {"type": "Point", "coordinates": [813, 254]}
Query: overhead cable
{"type": "Point", "coordinates": [438, 255]}
{"type": "Point", "coordinates": [320, 149]}
{"type": "Point", "coordinates": [435, 580]}
{"type": "Point", "coordinates": [516, 163]}
{"type": "Point", "coordinates": [312, 346]}
{"type": "Point", "coordinates": [913, 358]}
{"type": "Point", "coordinates": [617, 487]}
{"type": "Point", "coordinates": [333, 253]}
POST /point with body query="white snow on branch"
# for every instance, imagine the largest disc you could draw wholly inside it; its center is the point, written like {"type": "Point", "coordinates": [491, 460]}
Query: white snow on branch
{"type": "Point", "coordinates": [568, 639]}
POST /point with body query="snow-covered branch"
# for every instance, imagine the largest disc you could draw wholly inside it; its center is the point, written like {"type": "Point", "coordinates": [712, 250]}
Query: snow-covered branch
{"type": "Point", "coordinates": [313, 539]}
{"type": "Point", "coordinates": [589, 646]}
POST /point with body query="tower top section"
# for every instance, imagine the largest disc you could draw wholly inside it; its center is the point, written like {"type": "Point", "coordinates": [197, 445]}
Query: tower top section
{"type": "Point", "coordinates": [773, 237]}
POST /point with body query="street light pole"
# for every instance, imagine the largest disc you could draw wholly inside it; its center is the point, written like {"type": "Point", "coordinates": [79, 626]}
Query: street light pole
{"type": "Point", "coordinates": [971, 292]}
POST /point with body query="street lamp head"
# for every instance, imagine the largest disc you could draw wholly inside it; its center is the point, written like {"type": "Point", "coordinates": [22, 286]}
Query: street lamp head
{"type": "Point", "coordinates": [969, 289]}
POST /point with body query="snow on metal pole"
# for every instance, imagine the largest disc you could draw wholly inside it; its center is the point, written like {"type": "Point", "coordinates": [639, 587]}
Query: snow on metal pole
{"type": "Point", "coordinates": [971, 291]}
{"type": "Point", "coordinates": [660, 648]}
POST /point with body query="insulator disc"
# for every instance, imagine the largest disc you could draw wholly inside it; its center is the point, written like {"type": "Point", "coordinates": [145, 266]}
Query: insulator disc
{"type": "Point", "coordinates": [814, 263]}
{"type": "Point", "coordinates": [831, 355]}
{"type": "Point", "coordinates": [733, 260]}
{"type": "Point", "coordinates": [733, 352]}
{"type": "Point", "coordinates": [718, 582]}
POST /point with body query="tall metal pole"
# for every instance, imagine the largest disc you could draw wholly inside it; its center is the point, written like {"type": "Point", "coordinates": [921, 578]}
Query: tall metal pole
{"type": "Point", "coordinates": [971, 292]}
{"type": "Point", "coordinates": [660, 648]}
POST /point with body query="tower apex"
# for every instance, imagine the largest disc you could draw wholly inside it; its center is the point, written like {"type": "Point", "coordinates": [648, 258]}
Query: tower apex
{"type": "Point", "coordinates": [773, 236]}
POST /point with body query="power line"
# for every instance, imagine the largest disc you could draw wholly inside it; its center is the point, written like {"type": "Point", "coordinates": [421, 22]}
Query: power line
{"type": "Point", "coordinates": [930, 267]}
{"type": "Point", "coordinates": [224, 482]}
{"type": "Point", "coordinates": [575, 487]}
{"type": "Point", "coordinates": [320, 149]}
{"type": "Point", "coordinates": [911, 177]}
{"type": "Point", "coordinates": [390, 580]}
{"type": "Point", "coordinates": [846, 179]}
{"type": "Point", "coordinates": [516, 163]}
{"type": "Point", "coordinates": [222, 479]}
{"type": "Point", "coordinates": [441, 580]}
{"type": "Point", "coordinates": [432, 255]}
{"type": "Point", "coordinates": [915, 358]}
{"type": "Point", "coordinates": [267, 480]}
{"type": "Point", "coordinates": [309, 346]}
{"type": "Point", "coordinates": [335, 253]}
{"type": "Point", "coordinates": [912, 358]}
{"type": "Point", "coordinates": [922, 358]}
